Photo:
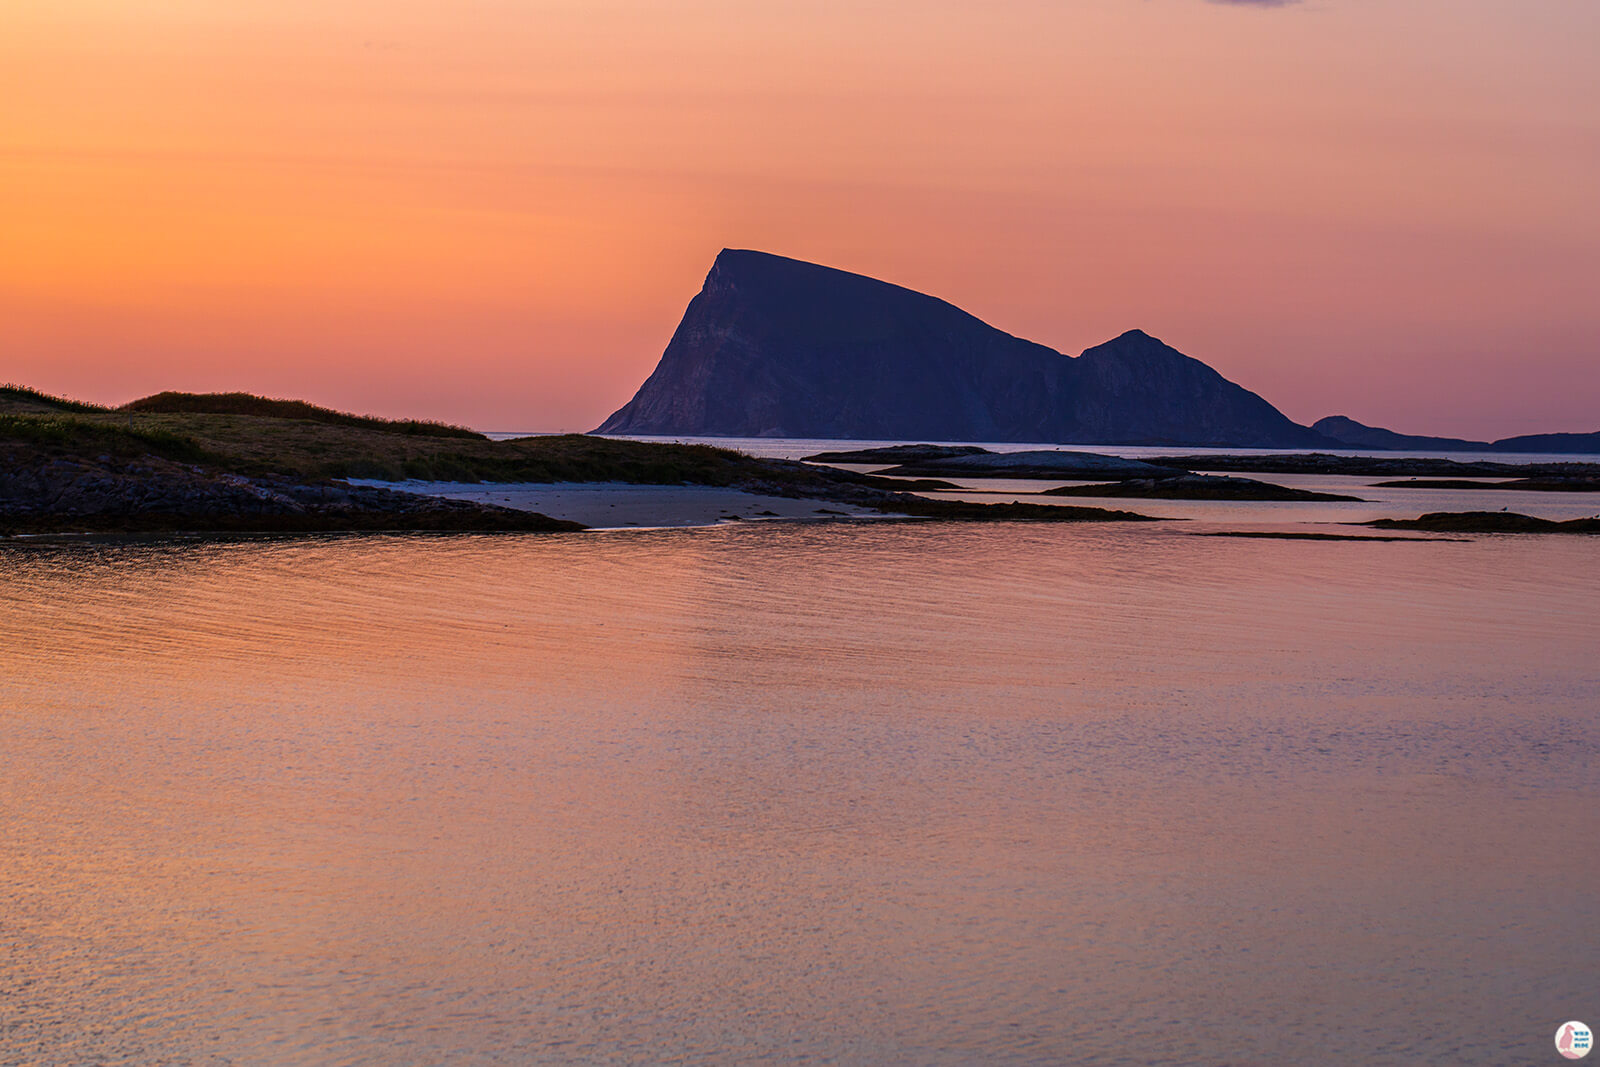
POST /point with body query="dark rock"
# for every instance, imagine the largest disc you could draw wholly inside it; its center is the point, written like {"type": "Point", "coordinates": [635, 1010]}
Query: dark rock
{"type": "Point", "coordinates": [965, 511]}
{"type": "Point", "coordinates": [1031, 464]}
{"type": "Point", "coordinates": [1487, 522]}
{"type": "Point", "coordinates": [898, 454]}
{"type": "Point", "coordinates": [53, 494]}
{"type": "Point", "coordinates": [1580, 484]}
{"type": "Point", "coordinates": [910, 485]}
{"type": "Point", "coordinates": [1438, 483]}
{"type": "Point", "coordinates": [1195, 487]}
{"type": "Point", "coordinates": [1287, 535]}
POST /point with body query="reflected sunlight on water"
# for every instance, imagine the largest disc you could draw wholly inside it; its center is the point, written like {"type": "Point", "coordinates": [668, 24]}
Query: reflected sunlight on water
{"type": "Point", "coordinates": [779, 793]}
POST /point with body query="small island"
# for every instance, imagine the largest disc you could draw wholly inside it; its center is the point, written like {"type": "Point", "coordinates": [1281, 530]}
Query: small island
{"type": "Point", "coordinates": [1196, 487]}
{"type": "Point", "coordinates": [1580, 483]}
{"type": "Point", "coordinates": [1487, 522]}
{"type": "Point", "coordinates": [925, 460]}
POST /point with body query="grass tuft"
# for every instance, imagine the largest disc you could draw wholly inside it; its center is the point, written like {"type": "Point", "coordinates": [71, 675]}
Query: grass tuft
{"type": "Point", "coordinates": [21, 397]}
{"type": "Point", "coordinates": [83, 436]}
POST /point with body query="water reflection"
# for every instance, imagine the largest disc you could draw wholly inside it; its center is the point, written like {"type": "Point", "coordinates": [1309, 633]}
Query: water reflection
{"type": "Point", "coordinates": [911, 793]}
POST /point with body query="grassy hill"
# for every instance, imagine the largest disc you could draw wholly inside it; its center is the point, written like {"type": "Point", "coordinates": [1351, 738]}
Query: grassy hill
{"type": "Point", "coordinates": [20, 400]}
{"type": "Point", "coordinates": [170, 403]}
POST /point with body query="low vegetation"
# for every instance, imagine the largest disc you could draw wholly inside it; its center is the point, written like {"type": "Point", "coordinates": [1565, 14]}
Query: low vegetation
{"type": "Point", "coordinates": [20, 400]}
{"type": "Point", "coordinates": [79, 436]}
{"type": "Point", "coordinates": [320, 446]}
{"type": "Point", "coordinates": [248, 404]}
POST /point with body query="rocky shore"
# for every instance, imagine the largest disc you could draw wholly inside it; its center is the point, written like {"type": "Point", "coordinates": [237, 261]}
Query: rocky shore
{"type": "Point", "coordinates": [975, 461]}
{"type": "Point", "coordinates": [1041, 463]}
{"type": "Point", "coordinates": [1574, 484]}
{"type": "Point", "coordinates": [1378, 466]}
{"type": "Point", "coordinates": [1487, 522]}
{"type": "Point", "coordinates": [1195, 487]}
{"type": "Point", "coordinates": [53, 484]}
{"type": "Point", "coordinates": [45, 493]}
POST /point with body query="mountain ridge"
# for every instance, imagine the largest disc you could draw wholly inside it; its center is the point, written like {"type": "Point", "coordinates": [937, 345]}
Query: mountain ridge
{"type": "Point", "coordinates": [772, 347]}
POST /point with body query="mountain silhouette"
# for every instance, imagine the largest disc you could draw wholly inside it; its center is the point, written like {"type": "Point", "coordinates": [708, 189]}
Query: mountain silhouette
{"type": "Point", "coordinates": [777, 347]}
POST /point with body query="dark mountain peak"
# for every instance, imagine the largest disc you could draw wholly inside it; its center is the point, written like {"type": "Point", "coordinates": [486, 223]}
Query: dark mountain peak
{"type": "Point", "coordinates": [1136, 344]}
{"type": "Point", "coordinates": [1331, 423]}
{"type": "Point", "coordinates": [1136, 360]}
{"type": "Point", "coordinates": [796, 294]}
{"type": "Point", "coordinates": [736, 268]}
{"type": "Point", "coordinates": [1353, 434]}
{"type": "Point", "coordinates": [773, 346]}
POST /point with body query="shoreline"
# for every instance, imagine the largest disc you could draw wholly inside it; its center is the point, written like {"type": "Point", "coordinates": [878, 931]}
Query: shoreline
{"type": "Point", "coordinates": [628, 506]}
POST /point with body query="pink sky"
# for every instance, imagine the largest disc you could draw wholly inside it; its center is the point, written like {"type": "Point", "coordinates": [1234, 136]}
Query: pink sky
{"type": "Point", "coordinates": [494, 211]}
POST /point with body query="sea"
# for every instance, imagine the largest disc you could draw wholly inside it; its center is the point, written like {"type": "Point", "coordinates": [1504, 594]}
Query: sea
{"type": "Point", "coordinates": [796, 793]}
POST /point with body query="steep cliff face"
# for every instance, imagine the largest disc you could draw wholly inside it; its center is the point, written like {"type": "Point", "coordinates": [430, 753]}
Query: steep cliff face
{"type": "Point", "coordinates": [780, 348]}
{"type": "Point", "coordinates": [775, 347]}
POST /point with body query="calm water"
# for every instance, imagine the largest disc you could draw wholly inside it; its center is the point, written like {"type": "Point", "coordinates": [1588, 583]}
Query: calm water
{"type": "Point", "coordinates": [857, 793]}
{"type": "Point", "coordinates": [800, 447]}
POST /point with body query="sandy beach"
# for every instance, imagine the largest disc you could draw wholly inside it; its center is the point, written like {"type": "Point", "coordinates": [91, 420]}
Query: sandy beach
{"type": "Point", "coordinates": [616, 505]}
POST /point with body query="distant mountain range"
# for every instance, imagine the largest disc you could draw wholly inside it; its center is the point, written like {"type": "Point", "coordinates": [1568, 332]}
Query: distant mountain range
{"type": "Point", "coordinates": [1351, 434]}
{"type": "Point", "coordinates": [777, 347]}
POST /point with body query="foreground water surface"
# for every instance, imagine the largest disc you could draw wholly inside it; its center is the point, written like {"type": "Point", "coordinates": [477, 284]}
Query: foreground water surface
{"type": "Point", "coordinates": [858, 793]}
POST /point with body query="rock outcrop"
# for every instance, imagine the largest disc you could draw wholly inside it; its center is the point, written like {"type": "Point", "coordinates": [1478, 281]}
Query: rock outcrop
{"type": "Point", "coordinates": [775, 347]}
{"type": "Point", "coordinates": [1196, 487]}
{"type": "Point", "coordinates": [1486, 522]}
{"type": "Point", "coordinates": [44, 493]}
{"type": "Point", "coordinates": [1030, 464]}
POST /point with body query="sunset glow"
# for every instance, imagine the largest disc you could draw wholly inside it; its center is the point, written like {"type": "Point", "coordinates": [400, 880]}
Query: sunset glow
{"type": "Point", "coordinates": [494, 212]}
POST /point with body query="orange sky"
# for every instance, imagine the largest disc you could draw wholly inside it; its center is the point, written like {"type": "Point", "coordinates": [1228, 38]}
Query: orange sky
{"type": "Point", "coordinates": [494, 211]}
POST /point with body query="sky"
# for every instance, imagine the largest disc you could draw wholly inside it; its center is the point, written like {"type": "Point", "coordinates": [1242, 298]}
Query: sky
{"type": "Point", "coordinates": [493, 212]}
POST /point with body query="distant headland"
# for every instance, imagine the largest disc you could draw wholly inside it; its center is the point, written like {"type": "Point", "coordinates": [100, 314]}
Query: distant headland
{"type": "Point", "coordinates": [777, 347]}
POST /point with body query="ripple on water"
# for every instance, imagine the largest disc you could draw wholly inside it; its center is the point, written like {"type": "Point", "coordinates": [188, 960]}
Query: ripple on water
{"type": "Point", "coordinates": [904, 793]}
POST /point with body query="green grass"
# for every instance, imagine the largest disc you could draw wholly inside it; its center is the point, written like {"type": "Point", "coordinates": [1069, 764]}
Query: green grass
{"type": "Point", "coordinates": [18, 399]}
{"type": "Point", "coordinates": [82, 436]}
